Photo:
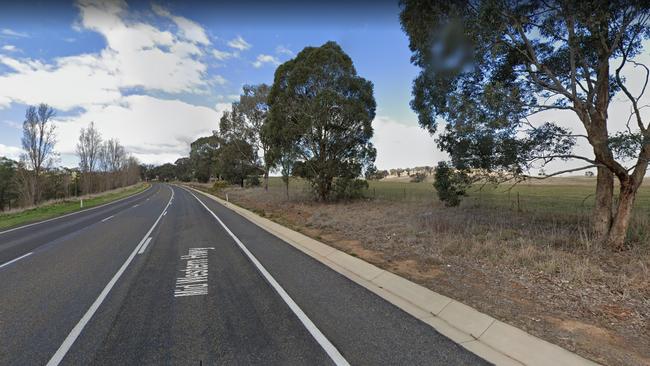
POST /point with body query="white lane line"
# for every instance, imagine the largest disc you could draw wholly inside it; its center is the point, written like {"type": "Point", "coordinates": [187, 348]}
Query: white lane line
{"type": "Point", "coordinates": [334, 354]}
{"type": "Point", "coordinates": [76, 331]}
{"type": "Point", "coordinates": [108, 218]}
{"type": "Point", "coordinates": [74, 213]}
{"type": "Point", "coordinates": [144, 247]}
{"type": "Point", "coordinates": [16, 259]}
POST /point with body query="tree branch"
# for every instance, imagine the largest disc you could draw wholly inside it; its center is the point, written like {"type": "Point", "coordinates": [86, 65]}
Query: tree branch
{"type": "Point", "coordinates": [562, 172]}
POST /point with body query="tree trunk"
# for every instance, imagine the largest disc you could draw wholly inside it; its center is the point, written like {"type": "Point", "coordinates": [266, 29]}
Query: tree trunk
{"type": "Point", "coordinates": [286, 184]}
{"type": "Point", "coordinates": [266, 179]}
{"type": "Point", "coordinates": [603, 208]}
{"type": "Point", "coordinates": [618, 231]}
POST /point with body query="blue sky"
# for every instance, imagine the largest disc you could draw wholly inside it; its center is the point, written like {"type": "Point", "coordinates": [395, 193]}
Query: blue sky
{"type": "Point", "coordinates": [156, 75]}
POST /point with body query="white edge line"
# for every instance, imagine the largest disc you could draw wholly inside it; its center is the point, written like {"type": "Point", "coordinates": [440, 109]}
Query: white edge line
{"type": "Point", "coordinates": [16, 259]}
{"type": "Point", "coordinates": [76, 331]}
{"type": "Point", "coordinates": [108, 218]}
{"type": "Point", "coordinates": [144, 247]}
{"type": "Point", "coordinates": [74, 213]}
{"type": "Point", "coordinates": [329, 348]}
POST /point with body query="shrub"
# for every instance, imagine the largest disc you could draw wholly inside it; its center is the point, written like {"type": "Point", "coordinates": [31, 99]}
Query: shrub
{"type": "Point", "coordinates": [219, 185]}
{"type": "Point", "coordinates": [348, 188]}
{"type": "Point", "coordinates": [252, 181]}
{"type": "Point", "coordinates": [450, 184]}
{"type": "Point", "coordinates": [418, 177]}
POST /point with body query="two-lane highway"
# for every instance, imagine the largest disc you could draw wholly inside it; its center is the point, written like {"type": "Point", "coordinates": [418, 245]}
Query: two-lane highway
{"type": "Point", "coordinates": [182, 280]}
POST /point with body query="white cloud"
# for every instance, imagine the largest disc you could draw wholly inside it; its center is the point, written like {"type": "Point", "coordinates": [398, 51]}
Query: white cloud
{"type": "Point", "coordinates": [12, 33]}
{"type": "Point", "coordinates": [190, 30]}
{"type": "Point", "coordinates": [136, 55]}
{"type": "Point", "coordinates": [5, 102]}
{"type": "Point", "coordinates": [9, 48]}
{"type": "Point", "coordinates": [228, 98]}
{"type": "Point", "coordinates": [85, 79]}
{"type": "Point", "coordinates": [10, 152]}
{"type": "Point", "coordinates": [223, 55]}
{"type": "Point", "coordinates": [13, 124]}
{"type": "Point", "coordinates": [218, 80]}
{"type": "Point", "coordinates": [265, 59]}
{"type": "Point", "coordinates": [239, 43]}
{"type": "Point", "coordinates": [400, 146]}
{"type": "Point", "coordinates": [282, 50]}
{"type": "Point", "coordinates": [153, 130]}
{"type": "Point", "coordinates": [223, 107]}
{"type": "Point", "coordinates": [134, 47]}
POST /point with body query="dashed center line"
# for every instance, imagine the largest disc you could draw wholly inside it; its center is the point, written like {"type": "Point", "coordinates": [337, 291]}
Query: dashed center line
{"type": "Point", "coordinates": [16, 259]}
{"type": "Point", "coordinates": [108, 218]}
{"type": "Point", "coordinates": [136, 205]}
{"type": "Point", "coordinates": [76, 331]}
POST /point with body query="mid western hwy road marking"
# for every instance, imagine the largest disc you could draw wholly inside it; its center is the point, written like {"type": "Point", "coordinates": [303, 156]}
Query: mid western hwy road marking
{"type": "Point", "coordinates": [76, 331]}
{"type": "Point", "coordinates": [195, 281]}
{"type": "Point", "coordinates": [329, 348]}
{"type": "Point", "coordinates": [16, 259]}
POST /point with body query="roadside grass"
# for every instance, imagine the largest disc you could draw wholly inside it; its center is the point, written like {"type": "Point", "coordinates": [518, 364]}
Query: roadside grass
{"type": "Point", "coordinates": [58, 208]}
{"type": "Point", "coordinates": [524, 255]}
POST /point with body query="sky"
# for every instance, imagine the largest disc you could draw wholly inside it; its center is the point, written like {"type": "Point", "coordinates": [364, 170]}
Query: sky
{"type": "Point", "coordinates": [157, 75]}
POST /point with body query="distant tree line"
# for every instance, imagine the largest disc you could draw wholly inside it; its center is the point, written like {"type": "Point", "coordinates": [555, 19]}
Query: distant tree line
{"type": "Point", "coordinates": [314, 122]}
{"type": "Point", "coordinates": [34, 178]}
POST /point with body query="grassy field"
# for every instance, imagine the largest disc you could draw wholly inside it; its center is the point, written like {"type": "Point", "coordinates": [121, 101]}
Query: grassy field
{"type": "Point", "coordinates": [564, 194]}
{"type": "Point", "coordinates": [64, 207]}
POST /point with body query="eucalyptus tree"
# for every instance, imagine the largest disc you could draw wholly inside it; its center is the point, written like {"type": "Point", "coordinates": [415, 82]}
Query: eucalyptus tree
{"type": "Point", "coordinates": [252, 112]}
{"type": "Point", "coordinates": [488, 66]}
{"type": "Point", "coordinates": [321, 111]}
{"type": "Point", "coordinates": [202, 156]}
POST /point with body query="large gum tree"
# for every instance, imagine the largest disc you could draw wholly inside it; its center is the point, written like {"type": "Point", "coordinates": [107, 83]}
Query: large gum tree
{"type": "Point", "coordinates": [487, 67]}
{"type": "Point", "coordinates": [320, 118]}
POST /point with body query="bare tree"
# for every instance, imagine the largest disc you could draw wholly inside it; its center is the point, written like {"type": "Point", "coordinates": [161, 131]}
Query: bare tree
{"type": "Point", "coordinates": [38, 143]}
{"type": "Point", "coordinates": [89, 151]}
{"type": "Point", "coordinates": [113, 159]}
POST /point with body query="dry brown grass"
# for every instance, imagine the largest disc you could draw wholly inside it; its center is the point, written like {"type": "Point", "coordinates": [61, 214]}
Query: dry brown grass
{"type": "Point", "coordinates": [540, 271]}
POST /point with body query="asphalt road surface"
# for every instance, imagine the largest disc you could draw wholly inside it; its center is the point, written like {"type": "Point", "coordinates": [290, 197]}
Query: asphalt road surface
{"type": "Point", "coordinates": [170, 277]}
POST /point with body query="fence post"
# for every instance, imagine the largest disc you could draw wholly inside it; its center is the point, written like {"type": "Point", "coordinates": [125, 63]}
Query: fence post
{"type": "Point", "coordinates": [518, 203]}
{"type": "Point", "coordinates": [81, 203]}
